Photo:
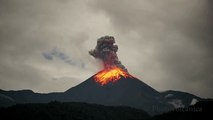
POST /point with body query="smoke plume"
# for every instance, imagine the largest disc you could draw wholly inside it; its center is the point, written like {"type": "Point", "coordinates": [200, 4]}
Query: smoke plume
{"type": "Point", "coordinates": [106, 51]}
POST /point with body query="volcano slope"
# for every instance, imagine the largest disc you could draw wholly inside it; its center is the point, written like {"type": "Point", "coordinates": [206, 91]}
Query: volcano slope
{"type": "Point", "coordinates": [127, 91]}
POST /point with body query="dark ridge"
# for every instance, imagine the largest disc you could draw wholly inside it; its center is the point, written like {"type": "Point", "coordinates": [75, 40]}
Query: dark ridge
{"type": "Point", "coordinates": [70, 111]}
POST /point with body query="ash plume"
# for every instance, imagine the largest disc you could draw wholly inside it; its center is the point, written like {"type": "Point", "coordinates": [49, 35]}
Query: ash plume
{"type": "Point", "coordinates": [106, 51]}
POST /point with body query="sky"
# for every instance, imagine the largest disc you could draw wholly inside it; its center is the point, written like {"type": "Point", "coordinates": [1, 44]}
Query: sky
{"type": "Point", "coordinates": [167, 44]}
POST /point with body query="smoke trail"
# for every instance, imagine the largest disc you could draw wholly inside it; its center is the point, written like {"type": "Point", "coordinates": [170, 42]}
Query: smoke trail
{"type": "Point", "coordinates": [106, 51]}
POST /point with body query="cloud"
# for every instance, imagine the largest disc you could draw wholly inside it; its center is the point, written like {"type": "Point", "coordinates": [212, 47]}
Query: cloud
{"type": "Point", "coordinates": [56, 53]}
{"type": "Point", "coordinates": [167, 44]}
{"type": "Point", "coordinates": [48, 56]}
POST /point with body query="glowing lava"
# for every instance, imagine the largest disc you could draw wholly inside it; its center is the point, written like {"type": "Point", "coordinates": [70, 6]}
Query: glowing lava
{"type": "Point", "coordinates": [110, 75]}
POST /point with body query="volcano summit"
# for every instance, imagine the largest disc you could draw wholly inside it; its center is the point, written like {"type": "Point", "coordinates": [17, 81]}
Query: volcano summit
{"type": "Point", "coordinates": [111, 75]}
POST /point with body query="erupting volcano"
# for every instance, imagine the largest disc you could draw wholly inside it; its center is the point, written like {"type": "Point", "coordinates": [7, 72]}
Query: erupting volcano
{"type": "Point", "coordinates": [114, 85]}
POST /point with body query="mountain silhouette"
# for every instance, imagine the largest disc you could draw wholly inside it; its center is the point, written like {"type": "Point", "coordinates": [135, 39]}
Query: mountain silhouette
{"type": "Point", "coordinates": [127, 91]}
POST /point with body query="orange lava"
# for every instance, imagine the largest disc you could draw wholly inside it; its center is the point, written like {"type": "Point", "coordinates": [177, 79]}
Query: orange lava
{"type": "Point", "coordinates": [110, 75]}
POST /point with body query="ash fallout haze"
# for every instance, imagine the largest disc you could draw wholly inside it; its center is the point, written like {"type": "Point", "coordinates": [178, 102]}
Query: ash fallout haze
{"type": "Point", "coordinates": [44, 44]}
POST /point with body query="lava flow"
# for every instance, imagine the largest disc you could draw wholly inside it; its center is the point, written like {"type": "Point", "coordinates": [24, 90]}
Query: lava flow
{"type": "Point", "coordinates": [110, 75]}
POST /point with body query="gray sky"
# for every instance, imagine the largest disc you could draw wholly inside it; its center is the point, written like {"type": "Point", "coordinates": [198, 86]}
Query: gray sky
{"type": "Point", "coordinates": [167, 44]}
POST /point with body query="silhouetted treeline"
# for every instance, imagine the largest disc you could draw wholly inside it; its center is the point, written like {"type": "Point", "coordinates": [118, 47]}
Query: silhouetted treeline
{"type": "Point", "coordinates": [83, 111]}
{"type": "Point", "coordinates": [70, 111]}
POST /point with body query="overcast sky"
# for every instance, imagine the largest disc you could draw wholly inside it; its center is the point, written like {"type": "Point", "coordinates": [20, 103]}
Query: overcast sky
{"type": "Point", "coordinates": [168, 44]}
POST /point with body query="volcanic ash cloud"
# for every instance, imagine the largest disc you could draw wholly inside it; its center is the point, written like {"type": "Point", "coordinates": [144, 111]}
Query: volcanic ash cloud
{"type": "Point", "coordinates": [106, 51]}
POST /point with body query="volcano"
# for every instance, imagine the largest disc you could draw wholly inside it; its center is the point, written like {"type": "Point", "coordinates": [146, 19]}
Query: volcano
{"type": "Point", "coordinates": [114, 85]}
{"type": "Point", "coordinates": [117, 88]}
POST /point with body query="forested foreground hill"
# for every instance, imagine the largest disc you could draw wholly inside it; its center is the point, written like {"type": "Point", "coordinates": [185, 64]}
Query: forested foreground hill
{"type": "Point", "coordinates": [84, 111]}
{"type": "Point", "coordinates": [70, 111]}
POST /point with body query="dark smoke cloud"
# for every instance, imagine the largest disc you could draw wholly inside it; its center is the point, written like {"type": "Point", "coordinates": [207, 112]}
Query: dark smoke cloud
{"type": "Point", "coordinates": [106, 51]}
